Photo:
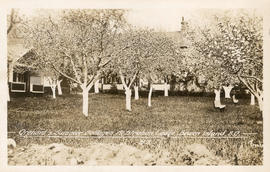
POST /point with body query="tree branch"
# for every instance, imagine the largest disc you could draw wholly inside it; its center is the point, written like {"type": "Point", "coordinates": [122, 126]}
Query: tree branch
{"type": "Point", "coordinates": [11, 21]}
{"type": "Point", "coordinates": [73, 66]}
{"type": "Point", "coordinates": [65, 75]}
{"type": "Point", "coordinates": [253, 77]}
{"type": "Point", "coordinates": [85, 70]}
{"type": "Point", "coordinates": [133, 79]}
{"type": "Point", "coordinates": [109, 55]}
{"type": "Point", "coordinates": [103, 65]}
{"type": "Point", "coordinates": [92, 81]}
{"type": "Point", "coordinates": [9, 27]}
{"type": "Point", "coordinates": [51, 81]}
{"type": "Point", "coordinates": [246, 84]}
{"type": "Point", "coordinates": [123, 80]}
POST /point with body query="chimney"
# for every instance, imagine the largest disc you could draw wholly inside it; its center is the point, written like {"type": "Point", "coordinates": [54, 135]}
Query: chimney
{"type": "Point", "coordinates": [183, 24]}
{"type": "Point", "coordinates": [182, 31]}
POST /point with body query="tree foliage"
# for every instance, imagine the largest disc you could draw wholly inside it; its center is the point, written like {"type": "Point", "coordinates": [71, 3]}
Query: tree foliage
{"type": "Point", "coordinates": [232, 49]}
{"type": "Point", "coordinates": [77, 43]}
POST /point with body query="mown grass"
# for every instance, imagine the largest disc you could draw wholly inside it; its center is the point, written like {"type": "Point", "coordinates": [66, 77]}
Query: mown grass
{"type": "Point", "coordinates": [107, 113]}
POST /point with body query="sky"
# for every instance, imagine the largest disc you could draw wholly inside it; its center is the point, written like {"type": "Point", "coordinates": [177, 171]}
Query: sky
{"type": "Point", "coordinates": [160, 19]}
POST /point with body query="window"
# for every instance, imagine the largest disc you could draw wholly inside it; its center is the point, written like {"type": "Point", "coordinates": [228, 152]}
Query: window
{"type": "Point", "coordinates": [36, 84]}
{"type": "Point", "coordinates": [36, 80]}
{"type": "Point", "coordinates": [18, 77]}
{"type": "Point", "coordinates": [17, 87]}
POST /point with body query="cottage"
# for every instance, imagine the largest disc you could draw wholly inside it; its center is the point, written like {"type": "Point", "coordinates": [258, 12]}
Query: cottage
{"type": "Point", "coordinates": [23, 79]}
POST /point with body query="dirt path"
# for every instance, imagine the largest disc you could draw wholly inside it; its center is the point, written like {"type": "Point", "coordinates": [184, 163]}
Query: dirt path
{"type": "Point", "coordinates": [105, 154]}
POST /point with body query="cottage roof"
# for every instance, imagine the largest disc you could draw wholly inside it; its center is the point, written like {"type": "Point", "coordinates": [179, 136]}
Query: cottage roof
{"type": "Point", "coordinates": [178, 37]}
{"type": "Point", "coordinates": [16, 49]}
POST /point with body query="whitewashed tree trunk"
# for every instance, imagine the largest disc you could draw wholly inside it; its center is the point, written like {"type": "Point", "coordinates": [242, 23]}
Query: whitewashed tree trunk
{"type": "Point", "coordinates": [53, 84]}
{"type": "Point", "coordinates": [234, 99]}
{"type": "Point", "coordinates": [260, 102]}
{"type": "Point", "coordinates": [10, 72]}
{"type": "Point", "coordinates": [8, 96]}
{"type": "Point", "coordinates": [150, 96]}
{"type": "Point", "coordinates": [85, 101]}
{"type": "Point", "coordinates": [10, 77]}
{"type": "Point", "coordinates": [96, 86]}
{"type": "Point", "coordinates": [59, 89]}
{"type": "Point", "coordinates": [136, 89]}
{"type": "Point", "coordinates": [252, 99]}
{"type": "Point", "coordinates": [166, 89]}
{"type": "Point", "coordinates": [85, 90]}
{"type": "Point", "coordinates": [217, 95]}
{"type": "Point", "coordinates": [127, 88]}
{"type": "Point", "coordinates": [53, 88]}
{"type": "Point", "coordinates": [128, 99]}
{"type": "Point", "coordinates": [227, 91]}
{"type": "Point", "coordinates": [255, 92]}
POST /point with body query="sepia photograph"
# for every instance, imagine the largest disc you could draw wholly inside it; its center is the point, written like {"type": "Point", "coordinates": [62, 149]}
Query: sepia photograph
{"type": "Point", "coordinates": [135, 87]}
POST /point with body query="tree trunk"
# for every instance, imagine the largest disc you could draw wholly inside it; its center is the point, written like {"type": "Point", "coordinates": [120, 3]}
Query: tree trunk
{"type": "Point", "coordinates": [10, 78]}
{"type": "Point", "coordinates": [217, 95]}
{"type": "Point", "coordinates": [136, 89]}
{"type": "Point", "coordinates": [166, 89]}
{"type": "Point", "coordinates": [96, 86]}
{"type": "Point", "coordinates": [59, 89]}
{"type": "Point", "coordinates": [150, 96]}
{"type": "Point", "coordinates": [227, 91]}
{"type": "Point", "coordinates": [128, 99]}
{"type": "Point", "coordinates": [53, 87]}
{"type": "Point", "coordinates": [85, 101]}
{"type": "Point", "coordinates": [254, 91]}
{"type": "Point", "coordinates": [8, 95]}
{"type": "Point", "coordinates": [252, 99]}
{"type": "Point", "coordinates": [10, 72]}
{"type": "Point", "coordinates": [260, 102]}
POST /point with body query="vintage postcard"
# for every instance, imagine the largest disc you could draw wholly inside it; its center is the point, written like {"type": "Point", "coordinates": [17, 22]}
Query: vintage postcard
{"type": "Point", "coordinates": [105, 85]}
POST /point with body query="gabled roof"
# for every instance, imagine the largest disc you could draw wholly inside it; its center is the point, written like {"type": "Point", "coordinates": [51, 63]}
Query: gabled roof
{"type": "Point", "coordinates": [16, 49]}
{"type": "Point", "coordinates": [178, 37]}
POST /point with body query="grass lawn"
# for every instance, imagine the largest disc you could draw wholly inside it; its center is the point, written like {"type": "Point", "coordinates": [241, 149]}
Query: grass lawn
{"type": "Point", "coordinates": [176, 114]}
